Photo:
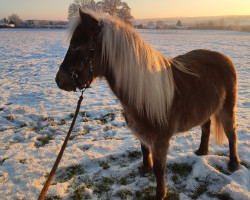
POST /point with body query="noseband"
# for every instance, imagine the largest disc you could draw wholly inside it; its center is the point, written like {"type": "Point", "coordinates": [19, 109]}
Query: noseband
{"type": "Point", "coordinates": [87, 61]}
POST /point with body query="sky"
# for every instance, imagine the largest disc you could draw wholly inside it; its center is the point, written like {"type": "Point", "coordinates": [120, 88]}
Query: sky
{"type": "Point", "coordinates": [58, 9]}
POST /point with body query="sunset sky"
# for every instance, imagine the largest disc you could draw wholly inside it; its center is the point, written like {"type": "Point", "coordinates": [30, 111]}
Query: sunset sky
{"type": "Point", "coordinates": [58, 9]}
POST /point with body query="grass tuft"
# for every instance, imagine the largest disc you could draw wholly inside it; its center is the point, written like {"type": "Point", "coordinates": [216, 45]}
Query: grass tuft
{"type": "Point", "coordinates": [220, 196]}
{"type": "Point", "coordinates": [52, 197]}
{"type": "Point", "coordinates": [9, 118]}
{"type": "Point", "coordinates": [172, 194]}
{"type": "Point", "coordinates": [42, 141]}
{"type": "Point", "coordinates": [219, 168]}
{"type": "Point", "coordinates": [104, 185]}
{"type": "Point", "coordinates": [201, 189]}
{"type": "Point", "coordinates": [123, 193]}
{"type": "Point", "coordinates": [104, 164]}
{"type": "Point", "coordinates": [69, 173]}
{"type": "Point", "coordinates": [183, 169]}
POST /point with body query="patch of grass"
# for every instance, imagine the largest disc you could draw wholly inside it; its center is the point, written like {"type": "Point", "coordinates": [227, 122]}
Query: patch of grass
{"type": "Point", "coordinates": [122, 113]}
{"type": "Point", "coordinates": [183, 169]}
{"type": "Point", "coordinates": [104, 185]}
{"type": "Point", "coordinates": [70, 116]}
{"type": "Point", "coordinates": [175, 179]}
{"type": "Point", "coordinates": [77, 194]}
{"type": "Point", "coordinates": [52, 197]}
{"type": "Point", "coordinates": [219, 168]}
{"type": "Point", "coordinates": [104, 119]}
{"type": "Point", "coordinates": [88, 182]}
{"type": "Point", "coordinates": [146, 194]}
{"type": "Point", "coordinates": [221, 154]}
{"type": "Point", "coordinates": [123, 193]}
{"type": "Point", "coordinates": [49, 119]}
{"type": "Point", "coordinates": [23, 161]}
{"type": "Point", "coordinates": [35, 129]}
{"type": "Point", "coordinates": [69, 173]}
{"type": "Point", "coordinates": [110, 115]}
{"type": "Point", "coordinates": [85, 119]}
{"type": "Point", "coordinates": [42, 141]}
{"type": "Point", "coordinates": [132, 174]}
{"type": "Point", "coordinates": [108, 138]}
{"type": "Point", "coordinates": [104, 164]}
{"type": "Point", "coordinates": [23, 124]}
{"type": "Point", "coordinates": [122, 181]}
{"type": "Point", "coordinates": [85, 148]}
{"type": "Point", "coordinates": [172, 194]}
{"type": "Point", "coordinates": [201, 189]}
{"type": "Point", "coordinates": [9, 118]}
{"type": "Point", "coordinates": [220, 196]}
{"type": "Point", "coordinates": [84, 114]}
{"type": "Point", "coordinates": [107, 128]}
{"type": "Point", "coordinates": [62, 122]}
{"type": "Point", "coordinates": [134, 154]}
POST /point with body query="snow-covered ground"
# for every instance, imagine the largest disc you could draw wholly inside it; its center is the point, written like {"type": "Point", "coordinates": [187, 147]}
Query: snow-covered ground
{"type": "Point", "coordinates": [102, 157]}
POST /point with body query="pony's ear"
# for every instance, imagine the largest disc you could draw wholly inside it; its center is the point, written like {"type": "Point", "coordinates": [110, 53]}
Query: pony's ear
{"type": "Point", "coordinates": [87, 20]}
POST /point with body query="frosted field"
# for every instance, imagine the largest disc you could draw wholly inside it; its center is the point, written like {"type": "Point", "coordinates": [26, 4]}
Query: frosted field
{"type": "Point", "coordinates": [102, 157]}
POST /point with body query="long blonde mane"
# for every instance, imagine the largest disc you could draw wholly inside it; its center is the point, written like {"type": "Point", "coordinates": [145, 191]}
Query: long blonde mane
{"type": "Point", "coordinates": [141, 73]}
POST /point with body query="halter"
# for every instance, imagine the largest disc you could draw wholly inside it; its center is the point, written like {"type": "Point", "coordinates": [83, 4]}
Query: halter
{"type": "Point", "coordinates": [87, 61]}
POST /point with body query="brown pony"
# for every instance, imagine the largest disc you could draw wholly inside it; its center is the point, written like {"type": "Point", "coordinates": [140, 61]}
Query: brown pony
{"type": "Point", "coordinates": [160, 96]}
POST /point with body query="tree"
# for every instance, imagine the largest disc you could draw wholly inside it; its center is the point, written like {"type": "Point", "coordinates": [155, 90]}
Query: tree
{"type": "Point", "coordinates": [150, 23]}
{"type": "Point", "coordinates": [15, 19]}
{"type": "Point", "coordinates": [179, 23]}
{"type": "Point", "coordinates": [159, 24]}
{"type": "Point", "coordinates": [74, 7]}
{"type": "Point", "coordinates": [115, 8]}
{"type": "Point", "coordinates": [118, 9]}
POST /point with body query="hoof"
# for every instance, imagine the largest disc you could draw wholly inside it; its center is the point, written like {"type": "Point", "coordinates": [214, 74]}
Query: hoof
{"type": "Point", "coordinates": [233, 165]}
{"type": "Point", "coordinates": [201, 152]}
{"type": "Point", "coordinates": [144, 170]}
{"type": "Point", "coordinates": [161, 197]}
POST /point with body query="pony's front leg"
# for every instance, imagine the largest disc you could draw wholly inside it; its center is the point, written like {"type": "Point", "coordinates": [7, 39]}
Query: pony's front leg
{"type": "Point", "coordinates": [147, 160]}
{"type": "Point", "coordinates": [159, 153]}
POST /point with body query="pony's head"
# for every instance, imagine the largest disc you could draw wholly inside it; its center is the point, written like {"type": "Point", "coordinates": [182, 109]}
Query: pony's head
{"type": "Point", "coordinates": [76, 70]}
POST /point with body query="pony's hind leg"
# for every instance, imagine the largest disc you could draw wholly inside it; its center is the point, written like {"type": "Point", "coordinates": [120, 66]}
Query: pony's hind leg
{"type": "Point", "coordinates": [205, 135]}
{"type": "Point", "coordinates": [147, 160]}
{"type": "Point", "coordinates": [227, 119]}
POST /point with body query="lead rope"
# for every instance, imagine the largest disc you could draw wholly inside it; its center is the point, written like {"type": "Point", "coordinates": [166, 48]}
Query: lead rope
{"type": "Point", "coordinates": [58, 159]}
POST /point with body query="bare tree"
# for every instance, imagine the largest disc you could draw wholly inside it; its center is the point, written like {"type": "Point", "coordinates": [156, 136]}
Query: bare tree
{"type": "Point", "coordinates": [159, 24]}
{"type": "Point", "coordinates": [74, 7]}
{"type": "Point", "coordinates": [150, 23]}
{"type": "Point", "coordinates": [115, 8]}
{"type": "Point", "coordinates": [15, 19]}
{"type": "Point", "coordinates": [118, 9]}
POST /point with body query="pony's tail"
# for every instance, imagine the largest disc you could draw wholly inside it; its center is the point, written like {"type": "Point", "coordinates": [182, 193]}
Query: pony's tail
{"type": "Point", "coordinates": [217, 130]}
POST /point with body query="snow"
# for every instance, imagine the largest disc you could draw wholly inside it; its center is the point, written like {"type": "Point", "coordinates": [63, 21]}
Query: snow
{"type": "Point", "coordinates": [33, 109]}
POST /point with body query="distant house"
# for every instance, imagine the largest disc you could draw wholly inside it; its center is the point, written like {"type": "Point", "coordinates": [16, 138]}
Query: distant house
{"type": "Point", "coordinates": [12, 24]}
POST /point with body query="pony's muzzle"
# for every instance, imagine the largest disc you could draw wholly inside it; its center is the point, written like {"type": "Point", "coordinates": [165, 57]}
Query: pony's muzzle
{"type": "Point", "coordinates": [64, 82]}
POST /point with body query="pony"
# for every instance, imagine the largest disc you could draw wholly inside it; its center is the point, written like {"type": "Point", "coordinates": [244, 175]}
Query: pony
{"type": "Point", "coordinates": [160, 96]}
